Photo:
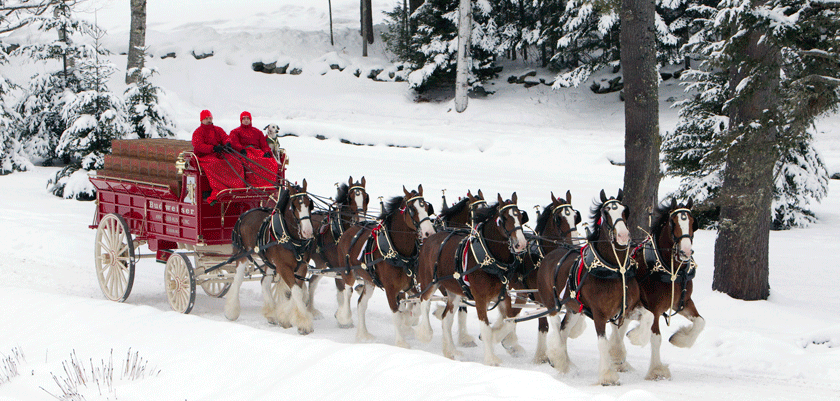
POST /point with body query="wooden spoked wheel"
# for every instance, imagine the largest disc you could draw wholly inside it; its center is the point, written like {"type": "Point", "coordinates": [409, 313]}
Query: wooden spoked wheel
{"type": "Point", "coordinates": [179, 279]}
{"type": "Point", "coordinates": [213, 288]}
{"type": "Point", "coordinates": [114, 257]}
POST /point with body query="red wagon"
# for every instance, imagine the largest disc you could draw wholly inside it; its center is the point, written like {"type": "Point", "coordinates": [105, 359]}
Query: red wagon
{"type": "Point", "coordinates": [152, 192]}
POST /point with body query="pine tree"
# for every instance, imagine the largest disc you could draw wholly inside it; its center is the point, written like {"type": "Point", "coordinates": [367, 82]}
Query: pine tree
{"type": "Point", "coordinates": [145, 115]}
{"type": "Point", "coordinates": [96, 116]}
{"type": "Point", "coordinates": [41, 123]}
{"type": "Point", "coordinates": [433, 48]}
{"type": "Point", "coordinates": [12, 156]}
{"type": "Point", "coordinates": [697, 149]}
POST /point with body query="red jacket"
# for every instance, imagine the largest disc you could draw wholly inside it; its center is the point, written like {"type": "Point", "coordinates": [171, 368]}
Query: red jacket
{"type": "Point", "coordinates": [247, 135]}
{"type": "Point", "coordinates": [205, 137]}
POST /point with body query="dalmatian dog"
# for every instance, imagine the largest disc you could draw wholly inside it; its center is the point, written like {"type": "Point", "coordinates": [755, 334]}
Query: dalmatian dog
{"type": "Point", "coordinates": [271, 132]}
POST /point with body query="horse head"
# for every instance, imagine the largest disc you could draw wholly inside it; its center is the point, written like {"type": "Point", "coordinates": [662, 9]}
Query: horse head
{"type": "Point", "coordinates": [682, 225]}
{"type": "Point", "coordinates": [613, 214]}
{"type": "Point", "coordinates": [565, 217]}
{"type": "Point", "coordinates": [509, 220]}
{"type": "Point", "coordinates": [358, 199]}
{"type": "Point", "coordinates": [299, 208]}
{"type": "Point", "coordinates": [418, 212]}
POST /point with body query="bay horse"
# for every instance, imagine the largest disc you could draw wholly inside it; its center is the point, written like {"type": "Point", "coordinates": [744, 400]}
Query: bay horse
{"type": "Point", "coordinates": [666, 270]}
{"type": "Point", "coordinates": [479, 265]}
{"type": "Point", "coordinates": [349, 208]}
{"type": "Point", "coordinates": [283, 237]}
{"type": "Point", "coordinates": [556, 227]}
{"type": "Point", "coordinates": [598, 280]}
{"type": "Point", "coordinates": [384, 255]}
{"type": "Point", "coordinates": [455, 217]}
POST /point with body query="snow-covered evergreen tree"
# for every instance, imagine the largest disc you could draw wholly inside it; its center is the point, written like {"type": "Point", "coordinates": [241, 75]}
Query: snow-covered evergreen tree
{"type": "Point", "coordinates": [806, 35]}
{"type": "Point", "coordinates": [96, 116]}
{"type": "Point", "coordinates": [434, 46]}
{"type": "Point", "coordinates": [12, 156]}
{"type": "Point", "coordinates": [588, 36]}
{"type": "Point", "coordinates": [145, 115]}
{"type": "Point", "coordinates": [41, 123]}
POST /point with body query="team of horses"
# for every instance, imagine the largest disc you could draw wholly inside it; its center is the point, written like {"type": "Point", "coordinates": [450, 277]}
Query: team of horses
{"type": "Point", "coordinates": [476, 253]}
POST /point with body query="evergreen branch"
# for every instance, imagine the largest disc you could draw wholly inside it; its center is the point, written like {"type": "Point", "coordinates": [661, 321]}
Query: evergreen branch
{"type": "Point", "coordinates": [820, 79]}
{"type": "Point", "coordinates": [819, 54]}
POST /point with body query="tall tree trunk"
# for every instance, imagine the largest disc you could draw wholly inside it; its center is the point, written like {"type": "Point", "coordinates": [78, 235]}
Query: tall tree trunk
{"type": "Point", "coordinates": [414, 5]}
{"type": "Point", "coordinates": [641, 111]}
{"type": "Point", "coordinates": [136, 41]}
{"type": "Point", "coordinates": [746, 195]}
{"type": "Point", "coordinates": [332, 39]}
{"type": "Point", "coordinates": [462, 72]}
{"type": "Point", "coordinates": [367, 25]}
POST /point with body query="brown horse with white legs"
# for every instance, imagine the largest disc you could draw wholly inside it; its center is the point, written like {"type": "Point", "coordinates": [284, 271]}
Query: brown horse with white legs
{"type": "Point", "coordinates": [556, 228]}
{"type": "Point", "coordinates": [283, 237]}
{"type": "Point", "coordinates": [598, 281]}
{"type": "Point", "coordinates": [666, 270]}
{"type": "Point", "coordinates": [384, 255]}
{"type": "Point", "coordinates": [349, 208]}
{"type": "Point", "coordinates": [479, 265]}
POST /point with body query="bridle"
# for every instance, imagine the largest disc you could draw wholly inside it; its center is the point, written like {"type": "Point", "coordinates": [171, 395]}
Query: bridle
{"type": "Point", "coordinates": [556, 215]}
{"type": "Point", "coordinates": [611, 224]}
{"type": "Point", "coordinates": [298, 219]}
{"type": "Point", "coordinates": [412, 212]}
{"type": "Point", "coordinates": [509, 233]}
{"type": "Point", "coordinates": [359, 208]}
{"type": "Point", "coordinates": [682, 214]}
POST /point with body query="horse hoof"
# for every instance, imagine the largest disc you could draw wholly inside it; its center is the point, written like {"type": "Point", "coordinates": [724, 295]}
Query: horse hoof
{"type": "Point", "coordinates": [515, 351]}
{"type": "Point", "coordinates": [304, 331]}
{"type": "Point", "coordinates": [467, 342]}
{"type": "Point", "coordinates": [540, 359]}
{"type": "Point", "coordinates": [316, 314]}
{"type": "Point", "coordinates": [365, 338]}
{"type": "Point", "coordinates": [492, 361]}
{"type": "Point", "coordinates": [623, 367]}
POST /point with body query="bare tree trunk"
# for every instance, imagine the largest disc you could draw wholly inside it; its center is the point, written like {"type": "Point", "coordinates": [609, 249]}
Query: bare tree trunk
{"type": "Point", "coordinates": [462, 73]}
{"type": "Point", "coordinates": [367, 25]}
{"type": "Point", "coordinates": [136, 41]}
{"type": "Point", "coordinates": [746, 195]}
{"type": "Point", "coordinates": [641, 111]}
{"type": "Point", "coordinates": [332, 40]}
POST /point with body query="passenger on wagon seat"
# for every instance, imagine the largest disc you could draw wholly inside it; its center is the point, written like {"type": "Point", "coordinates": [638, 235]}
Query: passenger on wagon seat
{"type": "Point", "coordinates": [259, 165]}
{"type": "Point", "coordinates": [210, 144]}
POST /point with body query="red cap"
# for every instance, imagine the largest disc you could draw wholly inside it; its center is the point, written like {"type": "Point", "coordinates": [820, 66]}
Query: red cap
{"type": "Point", "coordinates": [243, 115]}
{"type": "Point", "coordinates": [204, 114]}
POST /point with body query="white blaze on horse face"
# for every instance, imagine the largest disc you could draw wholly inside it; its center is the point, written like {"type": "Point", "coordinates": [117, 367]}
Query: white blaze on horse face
{"type": "Point", "coordinates": [305, 222]}
{"type": "Point", "coordinates": [569, 216]}
{"type": "Point", "coordinates": [359, 200]}
{"type": "Point", "coordinates": [622, 233]}
{"type": "Point", "coordinates": [426, 229]}
{"type": "Point", "coordinates": [519, 242]}
{"type": "Point", "coordinates": [685, 242]}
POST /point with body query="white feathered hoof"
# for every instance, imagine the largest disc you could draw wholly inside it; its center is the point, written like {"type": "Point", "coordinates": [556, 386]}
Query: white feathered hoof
{"type": "Point", "coordinates": [660, 372]}
{"type": "Point", "coordinates": [232, 311]}
{"type": "Point", "coordinates": [637, 336]}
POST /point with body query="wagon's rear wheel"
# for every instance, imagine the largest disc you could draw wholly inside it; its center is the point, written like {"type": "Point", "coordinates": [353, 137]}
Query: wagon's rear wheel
{"type": "Point", "coordinates": [114, 257]}
{"type": "Point", "coordinates": [179, 279]}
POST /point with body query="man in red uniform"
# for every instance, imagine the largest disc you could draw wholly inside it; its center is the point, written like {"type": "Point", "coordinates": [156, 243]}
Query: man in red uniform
{"type": "Point", "coordinates": [259, 165]}
{"type": "Point", "coordinates": [222, 169]}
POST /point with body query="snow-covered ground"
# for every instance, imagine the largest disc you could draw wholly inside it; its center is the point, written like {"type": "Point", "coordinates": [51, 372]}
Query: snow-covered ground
{"type": "Point", "coordinates": [532, 141]}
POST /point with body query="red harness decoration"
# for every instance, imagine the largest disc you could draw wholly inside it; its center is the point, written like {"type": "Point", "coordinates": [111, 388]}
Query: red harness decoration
{"type": "Point", "coordinates": [578, 277]}
{"type": "Point", "coordinates": [465, 261]}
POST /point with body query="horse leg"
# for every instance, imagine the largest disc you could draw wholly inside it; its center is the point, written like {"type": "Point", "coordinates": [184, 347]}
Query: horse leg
{"type": "Point", "coordinates": [490, 357]}
{"type": "Point", "coordinates": [310, 300]}
{"type": "Point", "coordinates": [618, 352]}
{"type": "Point", "coordinates": [448, 318]}
{"type": "Point", "coordinates": [398, 317]}
{"type": "Point", "coordinates": [540, 356]}
{"type": "Point", "coordinates": [578, 329]}
{"type": "Point", "coordinates": [607, 375]}
{"type": "Point", "coordinates": [343, 294]}
{"type": "Point", "coordinates": [640, 335]}
{"type": "Point", "coordinates": [362, 333]}
{"type": "Point", "coordinates": [507, 330]}
{"type": "Point", "coordinates": [558, 354]}
{"type": "Point", "coordinates": [232, 307]}
{"type": "Point", "coordinates": [276, 306]}
{"type": "Point", "coordinates": [301, 317]}
{"type": "Point", "coordinates": [657, 370]}
{"type": "Point", "coordinates": [464, 338]}
{"type": "Point", "coordinates": [424, 331]}
{"type": "Point", "coordinates": [686, 335]}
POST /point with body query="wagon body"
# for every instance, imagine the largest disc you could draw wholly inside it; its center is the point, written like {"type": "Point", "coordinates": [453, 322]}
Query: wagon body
{"type": "Point", "coordinates": [153, 192]}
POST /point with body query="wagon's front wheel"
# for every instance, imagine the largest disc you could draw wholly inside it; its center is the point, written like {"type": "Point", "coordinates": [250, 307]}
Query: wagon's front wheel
{"type": "Point", "coordinates": [179, 279]}
{"type": "Point", "coordinates": [114, 257]}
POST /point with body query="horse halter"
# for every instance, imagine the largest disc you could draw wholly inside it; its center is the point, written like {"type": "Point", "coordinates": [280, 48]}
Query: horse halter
{"type": "Point", "coordinates": [569, 210]}
{"type": "Point", "coordinates": [298, 219]}
{"type": "Point", "coordinates": [474, 206]}
{"type": "Point", "coordinates": [682, 214]}
{"type": "Point", "coordinates": [611, 224]}
{"type": "Point", "coordinates": [412, 212]}
{"type": "Point", "coordinates": [509, 234]}
{"type": "Point", "coordinates": [359, 190]}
